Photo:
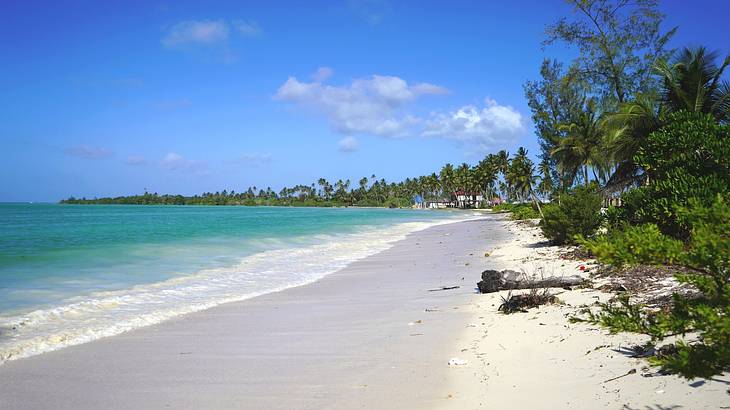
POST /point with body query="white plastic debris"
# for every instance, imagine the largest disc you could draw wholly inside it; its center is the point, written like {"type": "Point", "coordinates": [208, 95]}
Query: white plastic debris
{"type": "Point", "coordinates": [455, 361]}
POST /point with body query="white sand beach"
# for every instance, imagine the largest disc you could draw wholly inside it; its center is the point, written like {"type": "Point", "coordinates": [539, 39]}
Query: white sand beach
{"type": "Point", "coordinates": [539, 360]}
{"type": "Point", "coordinates": [372, 335]}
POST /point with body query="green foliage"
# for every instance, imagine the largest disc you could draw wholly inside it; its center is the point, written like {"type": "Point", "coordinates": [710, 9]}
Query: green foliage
{"type": "Point", "coordinates": [577, 214]}
{"type": "Point", "coordinates": [634, 245]}
{"type": "Point", "coordinates": [706, 316]}
{"type": "Point", "coordinates": [688, 158]}
{"type": "Point", "coordinates": [618, 42]}
{"type": "Point", "coordinates": [518, 211]}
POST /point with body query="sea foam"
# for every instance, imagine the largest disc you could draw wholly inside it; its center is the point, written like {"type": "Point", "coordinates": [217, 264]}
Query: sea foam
{"type": "Point", "coordinates": [83, 319]}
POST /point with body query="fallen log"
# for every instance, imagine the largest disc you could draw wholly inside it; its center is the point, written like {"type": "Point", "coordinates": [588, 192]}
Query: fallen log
{"type": "Point", "coordinates": [494, 281]}
{"type": "Point", "coordinates": [444, 288]}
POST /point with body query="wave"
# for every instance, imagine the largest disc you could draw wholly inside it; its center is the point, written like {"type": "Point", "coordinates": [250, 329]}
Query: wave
{"type": "Point", "coordinates": [83, 319]}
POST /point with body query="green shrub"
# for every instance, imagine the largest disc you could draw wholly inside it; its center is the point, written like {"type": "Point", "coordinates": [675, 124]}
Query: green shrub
{"type": "Point", "coordinates": [524, 211]}
{"type": "Point", "coordinates": [688, 158]}
{"type": "Point", "coordinates": [706, 315]}
{"type": "Point", "coordinates": [579, 214]}
{"type": "Point", "coordinates": [634, 245]}
{"type": "Point", "coordinates": [519, 211]}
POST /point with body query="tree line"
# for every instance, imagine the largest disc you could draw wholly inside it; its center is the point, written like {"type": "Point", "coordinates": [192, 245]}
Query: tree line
{"type": "Point", "coordinates": [497, 175]}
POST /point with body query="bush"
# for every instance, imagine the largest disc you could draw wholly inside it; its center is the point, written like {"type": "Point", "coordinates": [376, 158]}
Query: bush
{"type": "Point", "coordinates": [706, 256]}
{"type": "Point", "coordinates": [519, 211]}
{"type": "Point", "coordinates": [634, 245]}
{"type": "Point", "coordinates": [688, 158]}
{"type": "Point", "coordinates": [579, 213]}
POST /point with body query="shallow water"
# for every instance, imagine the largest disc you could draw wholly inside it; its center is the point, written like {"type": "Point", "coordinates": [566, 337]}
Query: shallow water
{"type": "Point", "coordinates": [74, 273]}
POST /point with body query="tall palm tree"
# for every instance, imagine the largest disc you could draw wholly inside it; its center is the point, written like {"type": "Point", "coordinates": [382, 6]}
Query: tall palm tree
{"type": "Point", "coordinates": [447, 179]}
{"type": "Point", "coordinates": [580, 148]}
{"type": "Point", "coordinates": [692, 82]}
{"type": "Point", "coordinates": [487, 171]}
{"type": "Point", "coordinates": [546, 185]}
{"type": "Point", "coordinates": [521, 175]}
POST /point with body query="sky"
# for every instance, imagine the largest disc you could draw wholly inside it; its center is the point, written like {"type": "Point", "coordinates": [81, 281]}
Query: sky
{"type": "Point", "coordinates": [114, 98]}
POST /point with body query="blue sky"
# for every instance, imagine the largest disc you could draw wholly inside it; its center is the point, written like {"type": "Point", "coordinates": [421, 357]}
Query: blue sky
{"type": "Point", "coordinates": [110, 98]}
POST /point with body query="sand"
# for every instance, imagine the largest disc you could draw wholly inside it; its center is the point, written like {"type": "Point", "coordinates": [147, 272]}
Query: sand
{"type": "Point", "coordinates": [538, 360]}
{"type": "Point", "coordinates": [371, 336]}
{"type": "Point", "coordinates": [359, 338]}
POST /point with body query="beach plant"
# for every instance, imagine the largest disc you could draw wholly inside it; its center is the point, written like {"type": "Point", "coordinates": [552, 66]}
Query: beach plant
{"type": "Point", "coordinates": [577, 214]}
{"type": "Point", "coordinates": [514, 303]}
{"type": "Point", "coordinates": [701, 319]}
{"type": "Point", "coordinates": [687, 158]}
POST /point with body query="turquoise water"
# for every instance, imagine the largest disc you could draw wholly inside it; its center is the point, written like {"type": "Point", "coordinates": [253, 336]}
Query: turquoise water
{"type": "Point", "coordinates": [73, 273]}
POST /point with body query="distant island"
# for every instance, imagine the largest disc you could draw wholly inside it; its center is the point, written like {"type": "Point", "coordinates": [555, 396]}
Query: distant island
{"type": "Point", "coordinates": [464, 186]}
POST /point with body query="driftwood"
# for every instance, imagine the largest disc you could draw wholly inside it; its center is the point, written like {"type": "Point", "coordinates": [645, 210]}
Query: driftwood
{"type": "Point", "coordinates": [444, 288]}
{"type": "Point", "coordinates": [494, 281]}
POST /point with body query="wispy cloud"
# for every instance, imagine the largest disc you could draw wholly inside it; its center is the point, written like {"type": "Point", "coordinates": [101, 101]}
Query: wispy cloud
{"type": "Point", "coordinates": [372, 11]}
{"type": "Point", "coordinates": [88, 152]}
{"type": "Point", "coordinates": [247, 27]}
{"type": "Point", "coordinates": [366, 106]}
{"type": "Point", "coordinates": [253, 159]}
{"type": "Point", "coordinates": [322, 74]}
{"type": "Point", "coordinates": [483, 129]}
{"type": "Point", "coordinates": [207, 33]}
{"type": "Point", "coordinates": [192, 32]}
{"type": "Point", "coordinates": [348, 144]}
{"type": "Point", "coordinates": [136, 160]}
{"type": "Point", "coordinates": [176, 162]}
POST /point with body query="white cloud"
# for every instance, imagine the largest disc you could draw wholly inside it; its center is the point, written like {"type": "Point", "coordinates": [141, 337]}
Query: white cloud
{"type": "Point", "coordinates": [490, 127]}
{"type": "Point", "coordinates": [366, 106]}
{"type": "Point", "coordinates": [254, 159]}
{"type": "Point", "coordinates": [176, 162]}
{"type": "Point", "coordinates": [207, 33]}
{"type": "Point", "coordinates": [192, 32]}
{"type": "Point", "coordinates": [88, 152]}
{"type": "Point", "coordinates": [322, 74]}
{"type": "Point", "coordinates": [348, 144]}
{"type": "Point", "coordinates": [247, 27]}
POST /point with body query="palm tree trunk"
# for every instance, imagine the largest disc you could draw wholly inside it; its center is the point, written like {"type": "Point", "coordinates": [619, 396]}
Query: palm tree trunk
{"type": "Point", "coordinates": [539, 209]}
{"type": "Point", "coordinates": [585, 174]}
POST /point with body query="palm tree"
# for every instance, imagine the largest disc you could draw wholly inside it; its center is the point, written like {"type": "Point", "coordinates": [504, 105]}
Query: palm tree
{"type": "Point", "coordinates": [447, 179]}
{"type": "Point", "coordinates": [580, 148]}
{"type": "Point", "coordinates": [546, 186]}
{"type": "Point", "coordinates": [521, 175]}
{"type": "Point", "coordinates": [692, 82]}
{"type": "Point", "coordinates": [486, 174]}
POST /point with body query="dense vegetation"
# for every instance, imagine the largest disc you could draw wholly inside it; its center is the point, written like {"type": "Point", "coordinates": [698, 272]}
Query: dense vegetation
{"type": "Point", "coordinates": [578, 214]}
{"type": "Point", "coordinates": [496, 175]}
{"type": "Point", "coordinates": [649, 125]}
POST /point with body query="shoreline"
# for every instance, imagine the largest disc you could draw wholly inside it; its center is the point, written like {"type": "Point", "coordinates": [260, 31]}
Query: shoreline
{"type": "Point", "coordinates": [377, 334]}
{"type": "Point", "coordinates": [367, 333]}
{"type": "Point", "coordinates": [108, 313]}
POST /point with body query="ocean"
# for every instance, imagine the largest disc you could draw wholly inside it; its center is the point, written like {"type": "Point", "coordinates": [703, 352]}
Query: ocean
{"type": "Point", "coordinates": [70, 274]}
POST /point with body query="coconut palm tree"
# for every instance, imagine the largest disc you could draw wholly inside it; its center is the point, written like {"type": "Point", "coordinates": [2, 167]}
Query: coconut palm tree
{"type": "Point", "coordinates": [487, 171]}
{"type": "Point", "coordinates": [691, 82]}
{"type": "Point", "coordinates": [546, 185]}
{"type": "Point", "coordinates": [522, 178]}
{"type": "Point", "coordinates": [580, 148]}
{"type": "Point", "coordinates": [447, 179]}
